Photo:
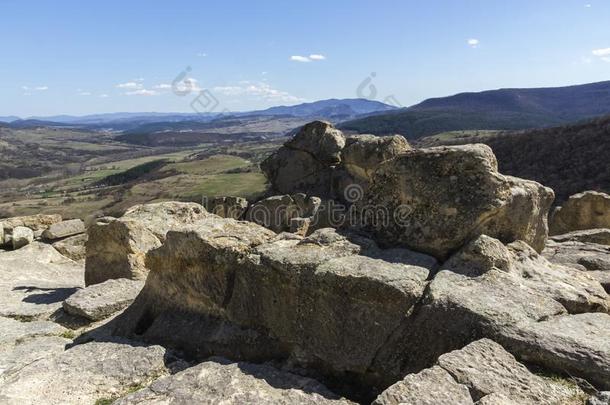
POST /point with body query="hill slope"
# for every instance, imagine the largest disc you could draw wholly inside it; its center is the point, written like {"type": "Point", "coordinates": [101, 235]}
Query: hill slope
{"type": "Point", "coordinates": [569, 159]}
{"type": "Point", "coordinates": [507, 109]}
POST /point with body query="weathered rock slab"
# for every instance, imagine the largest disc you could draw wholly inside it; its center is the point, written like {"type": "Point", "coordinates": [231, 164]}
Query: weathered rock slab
{"type": "Point", "coordinates": [64, 229]}
{"type": "Point", "coordinates": [83, 374]}
{"type": "Point", "coordinates": [600, 236]}
{"type": "Point", "coordinates": [576, 344]}
{"type": "Point", "coordinates": [221, 382]}
{"type": "Point", "coordinates": [35, 280]}
{"type": "Point", "coordinates": [431, 386]}
{"type": "Point", "coordinates": [99, 301]}
{"type": "Point", "coordinates": [486, 368]}
{"type": "Point", "coordinates": [73, 247]}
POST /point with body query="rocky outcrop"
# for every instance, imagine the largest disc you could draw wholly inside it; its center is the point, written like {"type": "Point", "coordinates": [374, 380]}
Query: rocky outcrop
{"type": "Point", "coordinates": [434, 200]}
{"type": "Point", "coordinates": [116, 249]}
{"type": "Point", "coordinates": [320, 160]}
{"type": "Point", "coordinates": [306, 162]}
{"type": "Point", "coordinates": [250, 295]}
{"type": "Point", "coordinates": [84, 374]}
{"type": "Point", "coordinates": [35, 280]}
{"type": "Point", "coordinates": [64, 229]}
{"type": "Point", "coordinates": [21, 237]}
{"type": "Point", "coordinates": [99, 301]}
{"type": "Point", "coordinates": [220, 381]}
{"type": "Point", "coordinates": [587, 210]}
{"type": "Point", "coordinates": [228, 207]}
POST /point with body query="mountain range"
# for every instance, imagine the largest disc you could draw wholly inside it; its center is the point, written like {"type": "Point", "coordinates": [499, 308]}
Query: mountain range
{"type": "Point", "coordinates": [503, 109]}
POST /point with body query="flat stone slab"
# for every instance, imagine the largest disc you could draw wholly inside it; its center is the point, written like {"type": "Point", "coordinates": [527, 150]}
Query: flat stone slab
{"type": "Point", "coordinates": [99, 301]}
{"type": "Point", "coordinates": [429, 387]}
{"type": "Point", "coordinates": [35, 280]}
{"type": "Point", "coordinates": [486, 368]}
{"type": "Point", "coordinates": [577, 344]}
{"type": "Point", "coordinates": [83, 374]}
{"type": "Point", "coordinates": [221, 382]}
{"type": "Point", "coordinates": [64, 229]}
{"type": "Point", "coordinates": [73, 247]}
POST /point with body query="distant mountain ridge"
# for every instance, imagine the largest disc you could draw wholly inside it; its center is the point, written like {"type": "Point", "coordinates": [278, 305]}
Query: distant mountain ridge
{"type": "Point", "coordinates": [503, 109]}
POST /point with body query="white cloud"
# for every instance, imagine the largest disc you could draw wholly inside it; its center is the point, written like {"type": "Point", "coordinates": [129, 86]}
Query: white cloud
{"type": "Point", "coordinates": [473, 42]}
{"type": "Point", "coordinates": [601, 52]}
{"type": "Point", "coordinates": [258, 90]}
{"type": "Point", "coordinates": [129, 85]}
{"type": "Point", "coordinates": [587, 5]}
{"type": "Point", "coordinates": [142, 92]}
{"type": "Point", "coordinates": [162, 86]}
{"type": "Point", "coordinates": [36, 88]}
{"type": "Point", "coordinates": [202, 54]}
{"type": "Point", "coordinates": [104, 95]}
{"type": "Point", "coordinates": [606, 59]}
{"type": "Point", "coordinates": [298, 58]}
{"type": "Point", "coordinates": [84, 93]}
{"type": "Point", "coordinates": [305, 59]}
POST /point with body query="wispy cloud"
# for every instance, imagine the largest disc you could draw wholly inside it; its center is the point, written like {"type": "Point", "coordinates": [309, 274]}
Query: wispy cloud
{"type": "Point", "coordinates": [259, 90]}
{"type": "Point", "coordinates": [142, 92]}
{"type": "Point", "coordinates": [83, 92]}
{"type": "Point", "coordinates": [305, 59]}
{"type": "Point", "coordinates": [587, 5]}
{"type": "Point", "coordinates": [473, 42]}
{"type": "Point", "coordinates": [129, 85]}
{"type": "Point", "coordinates": [162, 86]}
{"type": "Point", "coordinates": [202, 54]}
{"type": "Point", "coordinates": [104, 95]}
{"type": "Point", "coordinates": [35, 88]}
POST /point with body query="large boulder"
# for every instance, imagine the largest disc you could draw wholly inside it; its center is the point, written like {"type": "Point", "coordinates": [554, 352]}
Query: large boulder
{"type": "Point", "coordinates": [21, 237]}
{"type": "Point", "coordinates": [99, 301]}
{"type": "Point", "coordinates": [587, 210]}
{"type": "Point", "coordinates": [363, 154]}
{"type": "Point", "coordinates": [221, 382]}
{"type": "Point", "coordinates": [64, 229]}
{"type": "Point", "coordinates": [235, 289]}
{"type": "Point", "coordinates": [434, 200]}
{"type": "Point", "coordinates": [306, 162]}
{"type": "Point", "coordinates": [117, 248]}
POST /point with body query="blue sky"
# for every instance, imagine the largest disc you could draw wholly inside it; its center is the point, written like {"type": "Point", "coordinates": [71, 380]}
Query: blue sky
{"type": "Point", "coordinates": [78, 57]}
